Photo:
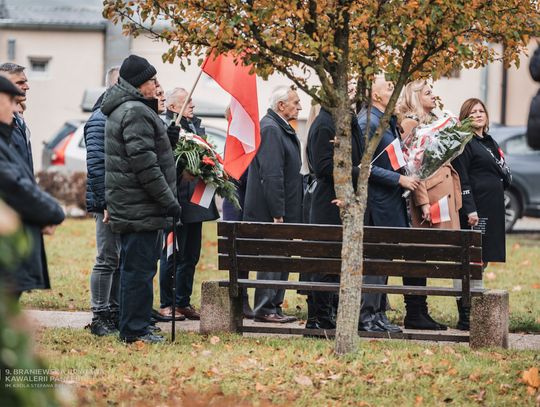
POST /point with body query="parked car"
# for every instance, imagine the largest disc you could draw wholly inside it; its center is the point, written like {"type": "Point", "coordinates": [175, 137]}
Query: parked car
{"type": "Point", "coordinates": [523, 196]}
{"type": "Point", "coordinates": [54, 148]}
{"type": "Point", "coordinates": [70, 153]}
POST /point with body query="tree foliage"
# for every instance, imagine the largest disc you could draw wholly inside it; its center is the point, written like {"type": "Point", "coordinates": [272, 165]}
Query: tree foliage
{"type": "Point", "coordinates": [330, 47]}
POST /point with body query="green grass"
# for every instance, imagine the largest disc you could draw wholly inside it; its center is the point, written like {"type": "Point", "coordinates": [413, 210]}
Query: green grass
{"type": "Point", "coordinates": [71, 253]}
{"type": "Point", "coordinates": [229, 370]}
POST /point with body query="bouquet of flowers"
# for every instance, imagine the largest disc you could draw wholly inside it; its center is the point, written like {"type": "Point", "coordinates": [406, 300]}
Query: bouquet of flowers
{"type": "Point", "coordinates": [431, 146]}
{"type": "Point", "coordinates": [198, 157]}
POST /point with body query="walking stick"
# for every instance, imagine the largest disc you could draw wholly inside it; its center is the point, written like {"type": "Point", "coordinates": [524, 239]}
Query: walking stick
{"type": "Point", "coordinates": [173, 322]}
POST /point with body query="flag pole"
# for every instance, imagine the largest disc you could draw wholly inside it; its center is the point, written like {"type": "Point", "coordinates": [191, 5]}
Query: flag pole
{"type": "Point", "coordinates": [188, 97]}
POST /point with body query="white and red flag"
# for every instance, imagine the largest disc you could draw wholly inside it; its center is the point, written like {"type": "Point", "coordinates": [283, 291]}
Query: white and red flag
{"type": "Point", "coordinates": [203, 194]}
{"type": "Point", "coordinates": [440, 212]}
{"type": "Point", "coordinates": [395, 154]}
{"type": "Point", "coordinates": [168, 243]}
{"type": "Point", "coordinates": [243, 133]}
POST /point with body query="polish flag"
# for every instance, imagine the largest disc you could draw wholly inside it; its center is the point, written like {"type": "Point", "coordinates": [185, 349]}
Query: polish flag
{"type": "Point", "coordinates": [168, 243]}
{"type": "Point", "coordinates": [395, 154]}
{"type": "Point", "coordinates": [203, 194]}
{"type": "Point", "coordinates": [243, 133]}
{"type": "Point", "coordinates": [439, 211]}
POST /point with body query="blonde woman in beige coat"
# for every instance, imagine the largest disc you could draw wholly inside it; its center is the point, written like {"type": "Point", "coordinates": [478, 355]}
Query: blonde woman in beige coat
{"type": "Point", "coordinates": [416, 107]}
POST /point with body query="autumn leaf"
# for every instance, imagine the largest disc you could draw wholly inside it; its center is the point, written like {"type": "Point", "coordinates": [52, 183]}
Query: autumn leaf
{"type": "Point", "coordinates": [139, 345]}
{"type": "Point", "coordinates": [214, 340]}
{"type": "Point", "coordinates": [516, 288]}
{"type": "Point", "coordinates": [419, 400]}
{"type": "Point", "coordinates": [531, 378]}
{"type": "Point", "coordinates": [536, 286]}
{"type": "Point", "coordinates": [303, 380]}
{"type": "Point", "coordinates": [428, 352]}
{"type": "Point", "coordinates": [260, 388]}
{"type": "Point", "coordinates": [490, 275]}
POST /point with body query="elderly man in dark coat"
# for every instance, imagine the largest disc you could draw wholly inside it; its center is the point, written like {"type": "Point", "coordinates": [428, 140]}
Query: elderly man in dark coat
{"type": "Point", "coordinates": [39, 212]}
{"type": "Point", "coordinates": [320, 152]}
{"type": "Point", "coordinates": [385, 205]}
{"type": "Point", "coordinates": [140, 190]}
{"type": "Point", "coordinates": [190, 233]}
{"type": "Point", "coordinates": [274, 188]}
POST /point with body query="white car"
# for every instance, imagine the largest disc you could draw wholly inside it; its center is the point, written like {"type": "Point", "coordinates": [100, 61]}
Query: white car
{"type": "Point", "coordinates": [70, 154]}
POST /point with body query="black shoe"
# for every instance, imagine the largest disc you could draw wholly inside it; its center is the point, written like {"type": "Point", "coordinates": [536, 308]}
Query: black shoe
{"type": "Point", "coordinates": [417, 320]}
{"type": "Point", "coordinates": [153, 328]}
{"type": "Point", "coordinates": [370, 326]}
{"type": "Point", "coordinates": [247, 311]}
{"type": "Point", "coordinates": [464, 322]}
{"type": "Point", "coordinates": [101, 325]}
{"type": "Point", "coordinates": [382, 321]}
{"type": "Point", "coordinates": [148, 338]}
{"type": "Point", "coordinates": [440, 327]}
{"type": "Point", "coordinates": [114, 319]}
{"type": "Point", "coordinates": [156, 316]}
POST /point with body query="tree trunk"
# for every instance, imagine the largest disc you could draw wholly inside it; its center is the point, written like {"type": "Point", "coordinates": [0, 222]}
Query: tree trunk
{"type": "Point", "coordinates": [353, 224]}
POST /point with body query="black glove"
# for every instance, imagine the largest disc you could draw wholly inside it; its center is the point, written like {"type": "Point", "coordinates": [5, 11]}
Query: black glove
{"type": "Point", "coordinates": [175, 210]}
{"type": "Point", "coordinates": [173, 132]}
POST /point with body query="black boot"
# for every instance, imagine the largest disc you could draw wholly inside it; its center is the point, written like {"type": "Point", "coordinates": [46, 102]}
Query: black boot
{"type": "Point", "coordinates": [101, 325]}
{"type": "Point", "coordinates": [114, 319]}
{"type": "Point", "coordinates": [311, 322]}
{"type": "Point", "coordinates": [415, 318]}
{"type": "Point", "coordinates": [440, 327]}
{"type": "Point", "coordinates": [464, 316]}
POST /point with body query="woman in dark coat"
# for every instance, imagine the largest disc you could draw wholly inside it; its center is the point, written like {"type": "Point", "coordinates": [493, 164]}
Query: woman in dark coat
{"type": "Point", "coordinates": [480, 168]}
{"type": "Point", "coordinates": [320, 151]}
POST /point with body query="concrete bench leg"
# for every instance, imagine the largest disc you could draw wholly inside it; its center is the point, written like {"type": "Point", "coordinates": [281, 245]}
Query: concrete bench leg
{"type": "Point", "coordinates": [490, 320]}
{"type": "Point", "coordinates": [216, 307]}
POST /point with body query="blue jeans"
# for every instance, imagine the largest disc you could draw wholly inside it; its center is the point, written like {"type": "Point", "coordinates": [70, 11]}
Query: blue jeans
{"type": "Point", "coordinates": [189, 238]}
{"type": "Point", "coordinates": [138, 266]}
{"type": "Point", "coordinates": [105, 277]}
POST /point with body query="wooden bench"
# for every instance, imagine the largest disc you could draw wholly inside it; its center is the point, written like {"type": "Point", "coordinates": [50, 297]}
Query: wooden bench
{"type": "Point", "coordinates": [300, 248]}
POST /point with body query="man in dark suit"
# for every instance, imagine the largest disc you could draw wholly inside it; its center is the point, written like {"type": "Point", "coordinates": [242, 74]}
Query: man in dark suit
{"type": "Point", "coordinates": [39, 212]}
{"type": "Point", "coordinates": [385, 205]}
{"type": "Point", "coordinates": [193, 216]}
{"type": "Point", "coordinates": [21, 133]}
{"type": "Point", "coordinates": [274, 188]}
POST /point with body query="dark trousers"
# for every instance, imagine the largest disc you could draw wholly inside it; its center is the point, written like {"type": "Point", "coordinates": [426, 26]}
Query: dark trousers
{"type": "Point", "coordinates": [189, 238]}
{"type": "Point", "coordinates": [267, 300]}
{"type": "Point", "coordinates": [138, 266]}
{"type": "Point", "coordinates": [324, 302]}
{"type": "Point", "coordinates": [372, 303]}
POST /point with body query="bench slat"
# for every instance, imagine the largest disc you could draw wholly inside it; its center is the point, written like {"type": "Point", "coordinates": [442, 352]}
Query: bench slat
{"type": "Point", "coordinates": [334, 233]}
{"type": "Point", "coordinates": [370, 288]}
{"type": "Point", "coordinates": [315, 249]}
{"type": "Point", "coordinates": [426, 336]}
{"type": "Point", "coordinates": [333, 266]}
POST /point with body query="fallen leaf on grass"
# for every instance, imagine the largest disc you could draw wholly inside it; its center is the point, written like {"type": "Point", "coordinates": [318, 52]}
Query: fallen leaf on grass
{"type": "Point", "coordinates": [479, 397]}
{"type": "Point", "coordinates": [525, 263]}
{"type": "Point", "coordinates": [490, 275]}
{"type": "Point", "coordinates": [139, 345]}
{"type": "Point", "coordinates": [516, 246]}
{"type": "Point", "coordinates": [336, 376]}
{"type": "Point", "coordinates": [214, 340]}
{"type": "Point", "coordinates": [206, 353]}
{"type": "Point", "coordinates": [531, 378]}
{"type": "Point", "coordinates": [516, 288]}
{"type": "Point", "coordinates": [536, 286]}
{"type": "Point", "coordinates": [428, 352]}
{"type": "Point", "coordinates": [418, 401]}
{"type": "Point", "coordinates": [303, 380]}
{"type": "Point", "coordinates": [452, 372]}
{"type": "Point", "coordinates": [260, 388]}
{"type": "Point", "coordinates": [503, 388]}
{"type": "Point", "coordinates": [474, 376]}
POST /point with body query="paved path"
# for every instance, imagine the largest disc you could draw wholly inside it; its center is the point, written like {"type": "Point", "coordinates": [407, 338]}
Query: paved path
{"type": "Point", "coordinates": [78, 320]}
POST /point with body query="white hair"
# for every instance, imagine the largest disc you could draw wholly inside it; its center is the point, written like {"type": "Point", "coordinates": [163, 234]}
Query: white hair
{"type": "Point", "coordinates": [279, 94]}
{"type": "Point", "coordinates": [111, 77]}
{"type": "Point", "coordinates": [172, 96]}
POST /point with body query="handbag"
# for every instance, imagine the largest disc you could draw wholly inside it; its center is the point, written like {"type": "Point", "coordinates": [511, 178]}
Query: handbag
{"type": "Point", "coordinates": [503, 167]}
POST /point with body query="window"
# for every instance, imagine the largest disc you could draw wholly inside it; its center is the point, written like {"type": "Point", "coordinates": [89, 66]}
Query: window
{"type": "Point", "coordinates": [518, 145]}
{"type": "Point", "coordinates": [39, 66]}
{"type": "Point", "coordinates": [11, 49]}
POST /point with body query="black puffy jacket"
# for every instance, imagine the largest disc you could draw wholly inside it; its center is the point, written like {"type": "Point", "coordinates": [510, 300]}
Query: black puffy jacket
{"type": "Point", "coordinates": [94, 139]}
{"type": "Point", "coordinates": [140, 173]}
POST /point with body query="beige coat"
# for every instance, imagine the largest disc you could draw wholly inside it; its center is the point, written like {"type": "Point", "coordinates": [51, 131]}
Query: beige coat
{"type": "Point", "coordinates": [444, 182]}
